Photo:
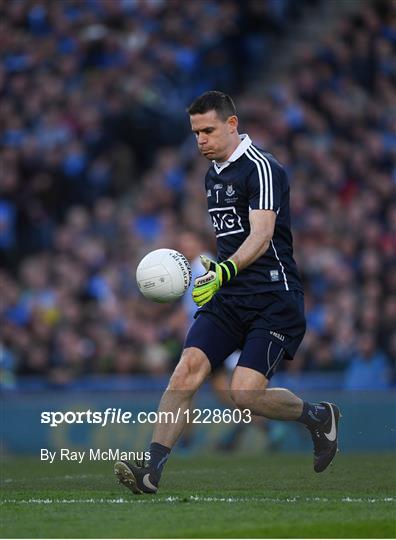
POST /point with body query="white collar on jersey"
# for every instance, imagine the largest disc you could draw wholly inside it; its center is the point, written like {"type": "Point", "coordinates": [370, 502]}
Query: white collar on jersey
{"type": "Point", "coordinates": [237, 153]}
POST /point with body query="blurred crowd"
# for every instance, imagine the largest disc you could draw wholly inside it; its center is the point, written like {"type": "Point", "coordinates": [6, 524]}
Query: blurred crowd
{"type": "Point", "coordinates": [98, 168]}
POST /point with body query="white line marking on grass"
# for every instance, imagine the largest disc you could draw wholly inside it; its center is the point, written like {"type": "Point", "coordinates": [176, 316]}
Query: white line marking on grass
{"type": "Point", "coordinates": [196, 498]}
{"type": "Point", "coordinates": [63, 477]}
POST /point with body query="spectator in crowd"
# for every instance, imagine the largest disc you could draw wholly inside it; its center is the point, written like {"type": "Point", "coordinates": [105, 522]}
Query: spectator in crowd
{"type": "Point", "coordinates": [368, 369]}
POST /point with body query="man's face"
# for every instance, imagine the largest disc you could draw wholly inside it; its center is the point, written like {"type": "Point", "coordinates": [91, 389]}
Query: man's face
{"type": "Point", "coordinates": [214, 135]}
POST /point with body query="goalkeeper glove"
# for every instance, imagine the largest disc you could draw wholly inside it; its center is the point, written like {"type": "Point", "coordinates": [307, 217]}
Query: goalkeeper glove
{"type": "Point", "coordinates": [216, 275]}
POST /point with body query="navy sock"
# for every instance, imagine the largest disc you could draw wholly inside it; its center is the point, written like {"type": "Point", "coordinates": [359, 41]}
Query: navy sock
{"type": "Point", "coordinates": [313, 414]}
{"type": "Point", "coordinates": [158, 457]}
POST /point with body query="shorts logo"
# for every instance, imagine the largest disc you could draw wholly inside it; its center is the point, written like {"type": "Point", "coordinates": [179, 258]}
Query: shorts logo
{"type": "Point", "coordinates": [226, 221]}
{"type": "Point", "coordinates": [230, 190]}
{"type": "Point", "coordinates": [277, 335]}
{"type": "Point", "coordinates": [274, 275]}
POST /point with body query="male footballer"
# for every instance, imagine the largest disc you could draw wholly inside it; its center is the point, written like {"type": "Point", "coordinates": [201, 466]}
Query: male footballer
{"type": "Point", "coordinates": [250, 299]}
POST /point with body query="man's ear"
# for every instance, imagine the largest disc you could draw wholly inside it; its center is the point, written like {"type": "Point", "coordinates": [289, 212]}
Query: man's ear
{"type": "Point", "coordinates": [232, 122]}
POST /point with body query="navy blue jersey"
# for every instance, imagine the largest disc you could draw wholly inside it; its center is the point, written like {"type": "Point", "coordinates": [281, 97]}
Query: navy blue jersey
{"type": "Point", "coordinates": [252, 179]}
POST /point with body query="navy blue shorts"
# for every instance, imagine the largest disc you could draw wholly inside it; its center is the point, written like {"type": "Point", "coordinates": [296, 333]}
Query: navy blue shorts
{"type": "Point", "coordinates": [266, 327]}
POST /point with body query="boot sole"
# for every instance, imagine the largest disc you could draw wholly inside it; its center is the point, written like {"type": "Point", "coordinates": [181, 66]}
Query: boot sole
{"type": "Point", "coordinates": [126, 477]}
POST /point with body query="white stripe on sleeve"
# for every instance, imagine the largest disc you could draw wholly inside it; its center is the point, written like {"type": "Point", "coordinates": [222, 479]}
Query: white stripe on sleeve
{"type": "Point", "coordinates": [260, 170]}
{"type": "Point", "coordinates": [267, 167]}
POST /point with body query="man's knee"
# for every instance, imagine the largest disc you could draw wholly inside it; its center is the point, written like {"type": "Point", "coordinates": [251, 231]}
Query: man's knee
{"type": "Point", "coordinates": [247, 387]}
{"type": "Point", "coordinates": [191, 370]}
{"type": "Point", "coordinates": [243, 399]}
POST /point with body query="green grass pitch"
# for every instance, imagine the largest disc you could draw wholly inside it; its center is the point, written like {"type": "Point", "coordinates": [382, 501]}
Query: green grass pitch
{"type": "Point", "coordinates": [236, 496]}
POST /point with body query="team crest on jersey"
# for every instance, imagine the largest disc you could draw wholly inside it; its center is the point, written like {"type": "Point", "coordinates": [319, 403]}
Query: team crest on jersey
{"type": "Point", "coordinates": [230, 190]}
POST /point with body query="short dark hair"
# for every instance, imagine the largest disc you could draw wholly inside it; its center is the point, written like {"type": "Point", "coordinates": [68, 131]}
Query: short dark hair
{"type": "Point", "coordinates": [213, 101]}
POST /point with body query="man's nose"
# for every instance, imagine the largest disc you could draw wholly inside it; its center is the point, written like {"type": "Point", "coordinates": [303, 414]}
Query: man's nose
{"type": "Point", "coordinates": [202, 138]}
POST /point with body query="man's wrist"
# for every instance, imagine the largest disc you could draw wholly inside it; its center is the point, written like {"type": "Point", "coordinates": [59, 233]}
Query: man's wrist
{"type": "Point", "coordinates": [229, 270]}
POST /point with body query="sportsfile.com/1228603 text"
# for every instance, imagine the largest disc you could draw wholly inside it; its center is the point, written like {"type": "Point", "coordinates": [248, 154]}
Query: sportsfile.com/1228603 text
{"type": "Point", "coordinates": [114, 415]}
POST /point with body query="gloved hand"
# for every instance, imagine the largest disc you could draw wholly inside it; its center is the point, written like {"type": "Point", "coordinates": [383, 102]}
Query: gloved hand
{"type": "Point", "coordinates": [216, 275]}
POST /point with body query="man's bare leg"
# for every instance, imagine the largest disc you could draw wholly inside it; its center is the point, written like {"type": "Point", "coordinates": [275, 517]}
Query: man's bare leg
{"type": "Point", "coordinates": [188, 376]}
{"type": "Point", "coordinates": [249, 390]}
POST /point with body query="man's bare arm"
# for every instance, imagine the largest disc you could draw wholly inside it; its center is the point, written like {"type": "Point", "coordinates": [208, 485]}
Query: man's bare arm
{"type": "Point", "coordinates": [262, 225]}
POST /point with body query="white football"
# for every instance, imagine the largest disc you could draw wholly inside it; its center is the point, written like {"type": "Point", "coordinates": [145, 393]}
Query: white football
{"type": "Point", "coordinates": [163, 275]}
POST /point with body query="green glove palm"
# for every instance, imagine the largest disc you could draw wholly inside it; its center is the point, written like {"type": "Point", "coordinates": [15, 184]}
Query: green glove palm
{"type": "Point", "coordinates": [216, 275]}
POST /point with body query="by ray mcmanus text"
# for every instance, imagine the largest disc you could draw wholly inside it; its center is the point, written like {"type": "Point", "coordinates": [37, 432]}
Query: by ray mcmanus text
{"type": "Point", "coordinates": [92, 454]}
